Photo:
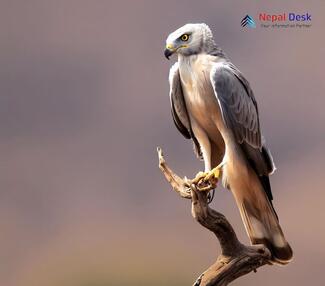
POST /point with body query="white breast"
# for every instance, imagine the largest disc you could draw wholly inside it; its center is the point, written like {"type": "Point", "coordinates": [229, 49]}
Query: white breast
{"type": "Point", "coordinates": [201, 102]}
{"type": "Point", "coordinates": [195, 71]}
{"type": "Point", "coordinates": [198, 92]}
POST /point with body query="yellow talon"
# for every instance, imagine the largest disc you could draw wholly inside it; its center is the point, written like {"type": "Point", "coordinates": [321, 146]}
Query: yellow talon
{"type": "Point", "coordinates": [206, 181]}
{"type": "Point", "coordinates": [199, 177]}
{"type": "Point", "coordinates": [213, 174]}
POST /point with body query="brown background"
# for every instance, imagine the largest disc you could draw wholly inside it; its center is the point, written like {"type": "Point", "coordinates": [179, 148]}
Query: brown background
{"type": "Point", "coordinates": [84, 103]}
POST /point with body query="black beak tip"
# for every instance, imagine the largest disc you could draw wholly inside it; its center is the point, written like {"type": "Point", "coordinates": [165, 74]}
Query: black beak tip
{"type": "Point", "coordinates": [167, 53]}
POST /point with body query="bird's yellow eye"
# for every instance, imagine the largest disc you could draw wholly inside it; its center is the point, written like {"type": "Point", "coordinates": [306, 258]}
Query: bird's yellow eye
{"type": "Point", "coordinates": [185, 37]}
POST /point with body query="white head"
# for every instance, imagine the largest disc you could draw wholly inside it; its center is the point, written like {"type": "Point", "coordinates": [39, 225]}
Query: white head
{"type": "Point", "coordinates": [190, 39]}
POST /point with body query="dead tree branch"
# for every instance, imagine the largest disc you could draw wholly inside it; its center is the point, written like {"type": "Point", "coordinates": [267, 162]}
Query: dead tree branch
{"type": "Point", "coordinates": [236, 259]}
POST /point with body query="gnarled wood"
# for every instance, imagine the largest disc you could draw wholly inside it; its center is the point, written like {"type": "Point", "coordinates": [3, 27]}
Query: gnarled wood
{"type": "Point", "coordinates": [236, 259]}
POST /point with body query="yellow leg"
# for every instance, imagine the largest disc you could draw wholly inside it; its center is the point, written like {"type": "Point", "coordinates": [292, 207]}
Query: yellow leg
{"type": "Point", "coordinates": [214, 174]}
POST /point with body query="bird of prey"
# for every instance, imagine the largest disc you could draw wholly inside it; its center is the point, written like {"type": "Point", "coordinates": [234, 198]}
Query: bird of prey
{"type": "Point", "coordinates": [213, 104]}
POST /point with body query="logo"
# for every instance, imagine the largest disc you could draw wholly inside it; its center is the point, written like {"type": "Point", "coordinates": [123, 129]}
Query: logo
{"type": "Point", "coordinates": [248, 21]}
{"type": "Point", "coordinates": [279, 20]}
{"type": "Point", "coordinates": [284, 17]}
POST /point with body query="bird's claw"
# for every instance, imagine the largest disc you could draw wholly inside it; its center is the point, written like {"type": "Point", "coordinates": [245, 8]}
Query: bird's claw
{"type": "Point", "coordinates": [206, 181]}
{"type": "Point", "coordinates": [213, 175]}
{"type": "Point", "coordinates": [198, 178]}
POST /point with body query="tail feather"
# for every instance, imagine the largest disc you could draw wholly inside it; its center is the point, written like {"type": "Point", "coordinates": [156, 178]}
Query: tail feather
{"type": "Point", "coordinates": [263, 227]}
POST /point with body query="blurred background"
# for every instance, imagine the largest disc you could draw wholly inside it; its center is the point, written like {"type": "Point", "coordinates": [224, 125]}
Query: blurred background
{"type": "Point", "coordinates": [83, 105]}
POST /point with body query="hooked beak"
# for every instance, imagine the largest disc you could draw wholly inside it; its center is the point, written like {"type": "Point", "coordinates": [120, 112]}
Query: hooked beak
{"type": "Point", "coordinates": [169, 51]}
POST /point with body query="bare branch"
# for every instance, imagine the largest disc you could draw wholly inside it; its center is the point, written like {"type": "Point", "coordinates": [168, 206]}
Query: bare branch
{"type": "Point", "coordinates": [179, 185]}
{"type": "Point", "coordinates": [236, 259]}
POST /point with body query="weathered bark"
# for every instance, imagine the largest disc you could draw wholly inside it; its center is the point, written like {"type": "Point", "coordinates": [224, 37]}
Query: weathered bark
{"type": "Point", "coordinates": [236, 259]}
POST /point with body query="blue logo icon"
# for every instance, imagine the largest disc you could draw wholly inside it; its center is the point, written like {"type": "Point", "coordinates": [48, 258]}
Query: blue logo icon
{"type": "Point", "coordinates": [248, 21]}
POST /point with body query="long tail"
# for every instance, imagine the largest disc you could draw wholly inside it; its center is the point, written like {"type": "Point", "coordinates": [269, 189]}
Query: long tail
{"type": "Point", "coordinates": [262, 225]}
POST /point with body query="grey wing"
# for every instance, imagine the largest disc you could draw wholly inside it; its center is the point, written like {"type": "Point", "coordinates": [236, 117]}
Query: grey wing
{"type": "Point", "coordinates": [240, 114]}
{"type": "Point", "coordinates": [178, 108]}
{"type": "Point", "coordinates": [238, 105]}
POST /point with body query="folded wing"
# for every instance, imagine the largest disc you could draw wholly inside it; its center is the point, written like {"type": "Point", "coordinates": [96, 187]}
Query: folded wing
{"type": "Point", "coordinates": [178, 108]}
